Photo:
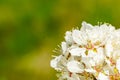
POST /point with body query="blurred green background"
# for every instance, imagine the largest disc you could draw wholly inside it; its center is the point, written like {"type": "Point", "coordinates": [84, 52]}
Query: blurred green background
{"type": "Point", "coordinates": [31, 29]}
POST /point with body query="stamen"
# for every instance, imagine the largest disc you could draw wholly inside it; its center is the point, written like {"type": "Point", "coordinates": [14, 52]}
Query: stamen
{"type": "Point", "coordinates": [70, 74]}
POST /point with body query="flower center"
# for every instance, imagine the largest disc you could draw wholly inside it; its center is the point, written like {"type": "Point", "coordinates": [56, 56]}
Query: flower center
{"type": "Point", "coordinates": [89, 46]}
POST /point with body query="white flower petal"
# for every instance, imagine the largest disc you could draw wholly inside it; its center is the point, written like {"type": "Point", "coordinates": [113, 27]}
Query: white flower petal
{"type": "Point", "coordinates": [64, 47]}
{"type": "Point", "coordinates": [77, 51]}
{"type": "Point", "coordinates": [88, 61]}
{"type": "Point", "coordinates": [86, 26]}
{"type": "Point", "coordinates": [99, 56]}
{"type": "Point", "coordinates": [54, 63]}
{"type": "Point", "coordinates": [79, 37]}
{"type": "Point", "coordinates": [108, 49]}
{"type": "Point", "coordinates": [118, 65]}
{"type": "Point", "coordinates": [75, 67]}
{"type": "Point", "coordinates": [90, 70]}
{"type": "Point", "coordinates": [68, 37]}
{"type": "Point", "coordinates": [101, 76]}
{"type": "Point", "coordinates": [107, 28]}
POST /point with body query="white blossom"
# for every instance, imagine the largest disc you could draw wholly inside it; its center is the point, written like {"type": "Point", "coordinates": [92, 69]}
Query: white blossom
{"type": "Point", "coordinates": [92, 52]}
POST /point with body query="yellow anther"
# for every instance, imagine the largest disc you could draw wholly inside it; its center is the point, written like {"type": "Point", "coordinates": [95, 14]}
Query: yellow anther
{"type": "Point", "coordinates": [86, 52]}
{"type": "Point", "coordinates": [95, 50]}
{"type": "Point", "coordinates": [115, 70]}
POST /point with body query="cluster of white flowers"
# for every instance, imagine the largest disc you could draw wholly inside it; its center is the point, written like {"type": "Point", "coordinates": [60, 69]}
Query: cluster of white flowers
{"type": "Point", "coordinates": [89, 53]}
